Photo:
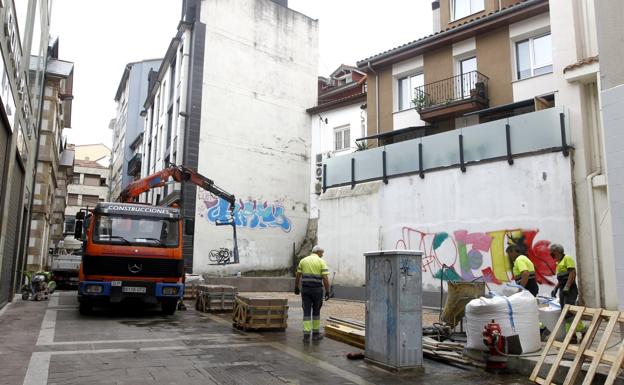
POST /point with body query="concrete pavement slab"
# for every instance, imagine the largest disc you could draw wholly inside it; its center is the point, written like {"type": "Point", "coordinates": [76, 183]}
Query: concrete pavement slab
{"type": "Point", "coordinates": [51, 343]}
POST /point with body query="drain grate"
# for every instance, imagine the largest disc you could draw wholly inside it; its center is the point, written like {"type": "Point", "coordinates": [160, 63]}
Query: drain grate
{"type": "Point", "coordinates": [244, 375]}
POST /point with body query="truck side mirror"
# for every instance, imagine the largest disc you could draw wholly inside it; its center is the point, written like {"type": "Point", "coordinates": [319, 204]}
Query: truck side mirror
{"type": "Point", "coordinates": [189, 226]}
{"type": "Point", "coordinates": [78, 229]}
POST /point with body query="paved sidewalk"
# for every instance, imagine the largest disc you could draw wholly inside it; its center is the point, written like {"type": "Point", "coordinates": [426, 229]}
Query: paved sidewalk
{"type": "Point", "coordinates": [51, 343]}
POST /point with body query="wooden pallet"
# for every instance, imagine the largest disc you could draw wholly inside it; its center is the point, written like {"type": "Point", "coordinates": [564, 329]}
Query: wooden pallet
{"type": "Point", "coordinates": [253, 313]}
{"type": "Point", "coordinates": [214, 298]}
{"type": "Point", "coordinates": [582, 351]}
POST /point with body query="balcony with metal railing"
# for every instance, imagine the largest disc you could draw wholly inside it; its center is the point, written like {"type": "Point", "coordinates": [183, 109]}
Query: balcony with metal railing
{"type": "Point", "coordinates": [134, 165]}
{"type": "Point", "coordinates": [452, 97]}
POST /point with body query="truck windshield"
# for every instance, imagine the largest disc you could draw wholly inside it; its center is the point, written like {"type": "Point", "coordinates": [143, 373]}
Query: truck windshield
{"type": "Point", "coordinates": [126, 230]}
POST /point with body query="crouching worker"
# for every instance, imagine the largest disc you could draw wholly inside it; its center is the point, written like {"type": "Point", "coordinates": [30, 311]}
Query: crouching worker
{"type": "Point", "coordinates": [523, 269]}
{"type": "Point", "coordinates": [312, 273]}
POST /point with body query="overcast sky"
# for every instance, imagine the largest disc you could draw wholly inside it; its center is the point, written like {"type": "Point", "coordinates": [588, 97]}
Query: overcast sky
{"type": "Point", "coordinates": [101, 37]}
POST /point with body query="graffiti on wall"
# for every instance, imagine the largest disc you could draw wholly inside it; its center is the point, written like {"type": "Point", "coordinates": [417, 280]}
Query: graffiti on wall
{"type": "Point", "coordinates": [252, 214]}
{"type": "Point", "coordinates": [466, 256]}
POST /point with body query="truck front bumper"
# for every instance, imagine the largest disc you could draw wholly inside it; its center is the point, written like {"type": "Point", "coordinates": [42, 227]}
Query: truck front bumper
{"type": "Point", "coordinates": [117, 291]}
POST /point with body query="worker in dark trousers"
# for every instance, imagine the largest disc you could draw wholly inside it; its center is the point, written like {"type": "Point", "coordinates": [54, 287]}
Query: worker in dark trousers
{"type": "Point", "coordinates": [523, 269]}
{"type": "Point", "coordinates": [312, 273]}
{"type": "Point", "coordinates": [566, 282]}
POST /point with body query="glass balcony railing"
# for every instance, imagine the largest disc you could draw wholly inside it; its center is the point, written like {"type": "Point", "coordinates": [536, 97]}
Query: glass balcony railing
{"type": "Point", "coordinates": [497, 140]}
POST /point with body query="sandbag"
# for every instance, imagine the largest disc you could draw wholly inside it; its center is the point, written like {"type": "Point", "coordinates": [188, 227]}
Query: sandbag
{"type": "Point", "coordinates": [516, 314]}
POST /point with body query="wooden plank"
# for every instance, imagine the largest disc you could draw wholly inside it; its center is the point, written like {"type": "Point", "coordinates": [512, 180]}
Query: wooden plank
{"type": "Point", "coordinates": [534, 375]}
{"type": "Point", "coordinates": [589, 377]}
{"type": "Point", "coordinates": [615, 368]}
{"type": "Point", "coordinates": [566, 342]}
{"type": "Point", "coordinates": [579, 358]}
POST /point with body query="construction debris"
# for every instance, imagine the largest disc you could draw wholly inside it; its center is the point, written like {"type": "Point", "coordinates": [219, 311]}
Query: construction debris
{"type": "Point", "coordinates": [352, 332]}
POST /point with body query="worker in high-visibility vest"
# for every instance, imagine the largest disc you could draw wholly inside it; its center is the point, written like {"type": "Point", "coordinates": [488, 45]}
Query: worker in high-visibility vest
{"type": "Point", "coordinates": [566, 283]}
{"type": "Point", "coordinates": [312, 273]}
{"type": "Point", "coordinates": [523, 269]}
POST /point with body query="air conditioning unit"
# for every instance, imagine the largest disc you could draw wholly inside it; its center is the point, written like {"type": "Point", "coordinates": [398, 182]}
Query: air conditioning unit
{"type": "Point", "coordinates": [318, 172]}
{"type": "Point", "coordinates": [318, 188]}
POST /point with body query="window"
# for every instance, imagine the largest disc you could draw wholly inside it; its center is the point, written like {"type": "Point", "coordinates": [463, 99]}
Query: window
{"type": "Point", "coordinates": [91, 180]}
{"type": "Point", "coordinates": [463, 8]}
{"type": "Point", "coordinates": [90, 200]}
{"type": "Point", "coordinates": [125, 230]}
{"type": "Point", "coordinates": [75, 179]}
{"type": "Point", "coordinates": [72, 199]}
{"type": "Point", "coordinates": [69, 224]}
{"type": "Point", "coordinates": [342, 138]}
{"type": "Point", "coordinates": [533, 57]}
{"type": "Point", "coordinates": [467, 68]}
{"type": "Point", "coordinates": [407, 90]}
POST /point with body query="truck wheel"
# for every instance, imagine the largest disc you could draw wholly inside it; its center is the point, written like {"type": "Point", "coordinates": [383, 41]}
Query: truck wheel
{"type": "Point", "coordinates": [169, 306]}
{"type": "Point", "coordinates": [85, 308]}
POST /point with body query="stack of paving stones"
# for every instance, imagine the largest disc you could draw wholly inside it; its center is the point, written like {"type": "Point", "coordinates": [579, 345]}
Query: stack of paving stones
{"type": "Point", "coordinates": [214, 298]}
{"type": "Point", "coordinates": [253, 312]}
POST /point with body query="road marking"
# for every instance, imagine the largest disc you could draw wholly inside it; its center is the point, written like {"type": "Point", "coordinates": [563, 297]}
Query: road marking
{"type": "Point", "coordinates": [321, 364]}
{"type": "Point", "coordinates": [48, 326]}
{"type": "Point", "coordinates": [134, 341]}
{"type": "Point", "coordinates": [38, 368]}
{"type": "Point", "coordinates": [54, 300]}
{"type": "Point", "coordinates": [39, 365]}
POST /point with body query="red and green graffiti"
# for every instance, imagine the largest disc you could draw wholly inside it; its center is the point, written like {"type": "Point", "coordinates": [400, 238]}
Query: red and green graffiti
{"type": "Point", "coordinates": [470, 250]}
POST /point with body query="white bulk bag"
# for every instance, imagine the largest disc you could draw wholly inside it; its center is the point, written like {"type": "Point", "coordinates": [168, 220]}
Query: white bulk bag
{"type": "Point", "coordinates": [519, 309]}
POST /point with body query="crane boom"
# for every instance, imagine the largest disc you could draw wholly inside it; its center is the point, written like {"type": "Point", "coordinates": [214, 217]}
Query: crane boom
{"type": "Point", "coordinates": [183, 174]}
{"type": "Point", "coordinates": [179, 174]}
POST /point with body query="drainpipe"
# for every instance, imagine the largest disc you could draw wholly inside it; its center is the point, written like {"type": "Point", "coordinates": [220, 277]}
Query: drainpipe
{"type": "Point", "coordinates": [594, 234]}
{"type": "Point", "coordinates": [376, 98]}
{"type": "Point", "coordinates": [596, 122]}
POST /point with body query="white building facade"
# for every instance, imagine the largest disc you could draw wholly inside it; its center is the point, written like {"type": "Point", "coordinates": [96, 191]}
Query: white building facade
{"type": "Point", "coordinates": [230, 100]}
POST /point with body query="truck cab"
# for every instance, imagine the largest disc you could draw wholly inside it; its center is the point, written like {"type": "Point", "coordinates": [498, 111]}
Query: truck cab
{"type": "Point", "coordinates": [131, 251]}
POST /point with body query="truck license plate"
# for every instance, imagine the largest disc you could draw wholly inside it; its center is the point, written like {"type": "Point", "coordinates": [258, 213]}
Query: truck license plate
{"type": "Point", "coordinates": [132, 289]}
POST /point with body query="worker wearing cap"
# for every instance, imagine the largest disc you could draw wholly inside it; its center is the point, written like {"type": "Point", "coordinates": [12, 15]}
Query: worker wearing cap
{"type": "Point", "coordinates": [312, 273]}
{"type": "Point", "coordinates": [523, 269]}
{"type": "Point", "coordinates": [566, 282]}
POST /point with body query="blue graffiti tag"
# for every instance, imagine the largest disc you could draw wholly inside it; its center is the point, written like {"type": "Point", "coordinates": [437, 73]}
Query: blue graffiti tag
{"type": "Point", "coordinates": [249, 214]}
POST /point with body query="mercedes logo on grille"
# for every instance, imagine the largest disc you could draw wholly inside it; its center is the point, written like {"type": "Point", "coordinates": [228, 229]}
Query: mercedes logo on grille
{"type": "Point", "coordinates": [135, 268]}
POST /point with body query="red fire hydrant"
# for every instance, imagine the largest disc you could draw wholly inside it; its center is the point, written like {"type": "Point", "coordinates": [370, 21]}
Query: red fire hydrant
{"type": "Point", "coordinates": [495, 341]}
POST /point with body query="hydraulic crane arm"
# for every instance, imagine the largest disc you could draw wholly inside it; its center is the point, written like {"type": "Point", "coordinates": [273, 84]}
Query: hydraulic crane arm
{"type": "Point", "coordinates": [183, 174]}
{"type": "Point", "coordinates": [179, 174]}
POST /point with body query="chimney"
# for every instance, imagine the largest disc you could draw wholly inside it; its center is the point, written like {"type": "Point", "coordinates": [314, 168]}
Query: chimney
{"type": "Point", "coordinates": [435, 10]}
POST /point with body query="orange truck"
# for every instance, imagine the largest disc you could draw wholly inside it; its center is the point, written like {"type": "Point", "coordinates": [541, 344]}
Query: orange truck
{"type": "Point", "coordinates": [133, 251]}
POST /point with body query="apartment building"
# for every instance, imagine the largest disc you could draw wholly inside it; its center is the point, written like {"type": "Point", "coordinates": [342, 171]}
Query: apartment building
{"type": "Point", "coordinates": [128, 123]}
{"type": "Point", "coordinates": [24, 54]}
{"type": "Point", "coordinates": [87, 186]}
{"type": "Point", "coordinates": [498, 78]}
{"type": "Point", "coordinates": [230, 100]}
{"type": "Point", "coordinates": [96, 152]}
{"type": "Point", "coordinates": [338, 122]}
{"type": "Point", "coordinates": [54, 163]}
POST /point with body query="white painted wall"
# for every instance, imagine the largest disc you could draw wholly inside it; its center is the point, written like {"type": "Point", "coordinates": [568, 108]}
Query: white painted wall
{"type": "Point", "coordinates": [323, 139]}
{"type": "Point", "coordinates": [531, 87]}
{"type": "Point", "coordinates": [260, 75]}
{"type": "Point", "coordinates": [533, 194]}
